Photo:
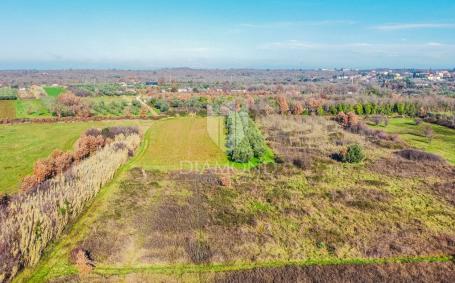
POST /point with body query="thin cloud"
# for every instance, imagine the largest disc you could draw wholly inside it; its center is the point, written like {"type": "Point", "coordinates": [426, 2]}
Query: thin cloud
{"type": "Point", "coordinates": [387, 49]}
{"type": "Point", "coordinates": [297, 44]}
{"type": "Point", "coordinates": [275, 25]}
{"type": "Point", "coordinates": [408, 26]}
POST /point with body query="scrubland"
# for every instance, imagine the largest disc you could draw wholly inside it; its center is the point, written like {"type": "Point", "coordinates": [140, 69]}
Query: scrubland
{"type": "Point", "coordinates": [305, 217]}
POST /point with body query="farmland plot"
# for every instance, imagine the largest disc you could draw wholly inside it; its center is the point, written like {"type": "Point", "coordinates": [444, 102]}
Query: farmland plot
{"type": "Point", "coordinates": [275, 221]}
{"type": "Point", "coordinates": [7, 109]}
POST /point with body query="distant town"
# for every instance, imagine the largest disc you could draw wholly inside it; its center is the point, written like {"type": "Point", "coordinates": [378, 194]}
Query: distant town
{"type": "Point", "coordinates": [237, 81]}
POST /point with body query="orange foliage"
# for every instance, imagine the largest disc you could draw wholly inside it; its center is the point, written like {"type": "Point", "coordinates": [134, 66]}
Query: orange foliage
{"type": "Point", "coordinates": [348, 120]}
{"type": "Point", "coordinates": [353, 119]}
{"type": "Point", "coordinates": [283, 104]}
{"type": "Point", "coordinates": [250, 102]}
{"type": "Point", "coordinates": [62, 160]}
{"type": "Point", "coordinates": [297, 108]}
{"type": "Point", "coordinates": [69, 102]}
{"type": "Point", "coordinates": [315, 103]}
{"type": "Point", "coordinates": [343, 119]}
{"type": "Point", "coordinates": [29, 182]}
{"type": "Point", "coordinates": [87, 145]}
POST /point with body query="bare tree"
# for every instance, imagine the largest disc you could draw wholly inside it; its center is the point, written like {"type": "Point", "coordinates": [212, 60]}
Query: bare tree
{"type": "Point", "coordinates": [428, 133]}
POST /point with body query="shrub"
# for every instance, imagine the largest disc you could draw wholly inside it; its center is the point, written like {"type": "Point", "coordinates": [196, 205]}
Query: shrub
{"type": "Point", "coordinates": [303, 162]}
{"type": "Point", "coordinates": [81, 258]}
{"type": "Point", "coordinates": [243, 152]}
{"type": "Point", "coordinates": [417, 155]}
{"type": "Point", "coordinates": [70, 105]}
{"type": "Point", "coordinates": [283, 104]}
{"type": "Point", "coordinates": [88, 145]}
{"type": "Point", "coordinates": [353, 154]}
{"type": "Point", "coordinates": [428, 133]}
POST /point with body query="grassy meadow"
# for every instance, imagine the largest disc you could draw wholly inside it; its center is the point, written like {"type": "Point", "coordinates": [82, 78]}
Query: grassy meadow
{"type": "Point", "coordinates": [33, 108]}
{"type": "Point", "coordinates": [186, 225]}
{"type": "Point", "coordinates": [442, 143]}
{"type": "Point", "coordinates": [21, 145]}
{"type": "Point", "coordinates": [186, 142]}
{"type": "Point", "coordinates": [54, 91]}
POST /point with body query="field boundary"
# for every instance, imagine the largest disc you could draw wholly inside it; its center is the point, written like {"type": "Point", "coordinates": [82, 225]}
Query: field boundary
{"type": "Point", "coordinates": [49, 120]}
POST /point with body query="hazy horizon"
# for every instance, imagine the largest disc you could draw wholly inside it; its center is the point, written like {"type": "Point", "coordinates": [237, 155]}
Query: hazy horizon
{"type": "Point", "coordinates": [144, 35]}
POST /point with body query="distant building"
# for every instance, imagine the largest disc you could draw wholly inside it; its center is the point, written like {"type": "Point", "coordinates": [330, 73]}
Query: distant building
{"type": "Point", "coordinates": [151, 83]}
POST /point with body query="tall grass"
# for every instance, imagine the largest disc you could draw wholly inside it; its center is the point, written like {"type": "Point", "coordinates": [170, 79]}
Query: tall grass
{"type": "Point", "coordinates": [30, 221]}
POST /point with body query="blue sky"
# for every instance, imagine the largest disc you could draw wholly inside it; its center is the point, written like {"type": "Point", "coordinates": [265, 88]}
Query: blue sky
{"type": "Point", "coordinates": [138, 34]}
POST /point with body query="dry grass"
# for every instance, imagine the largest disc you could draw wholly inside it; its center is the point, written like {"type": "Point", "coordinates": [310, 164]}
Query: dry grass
{"type": "Point", "coordinates": [7, 109]}
{"type": "Point", "coordinates": [420, 272]}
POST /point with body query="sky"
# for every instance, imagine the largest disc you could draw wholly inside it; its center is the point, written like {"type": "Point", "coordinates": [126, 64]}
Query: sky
{"type": "Point", "coordinates": [305, 34]}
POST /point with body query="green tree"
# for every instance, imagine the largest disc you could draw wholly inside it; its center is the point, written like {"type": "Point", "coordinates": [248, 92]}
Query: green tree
{"type": "Point", "coordinates": [358, 109]}
{"type": "Point", "coordinates": [333, 110]}
{"type": "Point", "coordinates": [367, 108]}
{"type": "Point", "coordinates": [243, 152]}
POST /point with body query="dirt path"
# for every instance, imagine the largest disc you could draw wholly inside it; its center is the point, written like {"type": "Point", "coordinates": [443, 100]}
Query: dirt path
{"type": "Point", "coordinates": [154, 114]}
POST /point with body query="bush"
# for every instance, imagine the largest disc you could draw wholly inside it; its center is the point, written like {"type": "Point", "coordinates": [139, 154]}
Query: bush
{"type": "Point", "coordinates": [417, 155]}
{"type": "Point", "coordinates": [353, 154]}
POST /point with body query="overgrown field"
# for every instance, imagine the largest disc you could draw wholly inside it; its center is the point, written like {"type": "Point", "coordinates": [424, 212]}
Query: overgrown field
{"type": "Point", "coordinates": [442, 141]}
{"type": "Point", "coordinates": [21, 145]}
{"type": "Point", "coordinates": [282, 219]}
{"type": "Point", "coordinates": [7, 109]}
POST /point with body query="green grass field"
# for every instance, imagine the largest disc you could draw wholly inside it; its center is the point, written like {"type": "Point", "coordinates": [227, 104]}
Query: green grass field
{"type": "Point", "coordinates": [33, 108]}
{"type": "Point", "coordinates": [21, 145]}
{"type": "Point", "coordinates": [443, 142]}
{"type": "Point", "coordinates": [54, 91]}
{"type": "Point", "coordinates": [7, 109]}
{"type": "Point", "coordinates": [108, 99]}
{"type": "Point", "coordinates": [185, 143]}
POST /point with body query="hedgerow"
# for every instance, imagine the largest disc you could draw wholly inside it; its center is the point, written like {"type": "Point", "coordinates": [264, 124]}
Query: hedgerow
{"type": "Point", "coordinates": [31, 220]}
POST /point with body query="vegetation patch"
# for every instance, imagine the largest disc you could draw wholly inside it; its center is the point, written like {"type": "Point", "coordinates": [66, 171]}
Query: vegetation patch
{"type": "Point", "coordinates": [32, 108]}
{"type": "Point", "coordinates": [8, 93]}
{"type": "Point", "coordinates": [54, 91]}
{"type": "Point", "coordinates": [245, 141]}
{"type": "Point", "coordinates": [7, 109]}
{"type": "Point", "coordinates": [412, 154]}
{"type": "Point", "coordinates": [440, 140]}
{"type": "Point", "coordinates": [285, 217]}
